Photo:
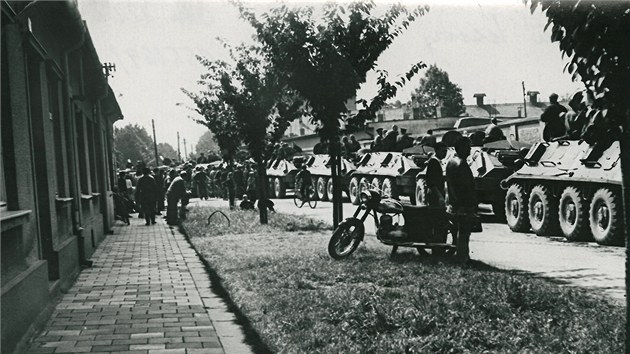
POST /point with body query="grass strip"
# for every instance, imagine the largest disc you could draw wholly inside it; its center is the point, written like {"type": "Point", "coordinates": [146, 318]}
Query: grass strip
{"type": "Point", "coordinates": [300, 300]}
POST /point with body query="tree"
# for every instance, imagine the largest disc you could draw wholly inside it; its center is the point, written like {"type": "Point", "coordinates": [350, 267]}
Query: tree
{"type": "Point", "coordinates": [595, 36]}
{"type": "Point", "coordinates": [436, 90]}
{"type": "Point", "coordinates": [132, 142]}
{"type": "Point", "coordinates": [166, 151]}
{"type": "Point", "coordinates": [327, 59]}
{"type": "Point", "coordinates": [207, 144]}
{"type": "Point", "coordinates": [252, 101]}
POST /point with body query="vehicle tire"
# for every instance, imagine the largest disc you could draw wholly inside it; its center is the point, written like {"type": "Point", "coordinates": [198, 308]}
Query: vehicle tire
{"type": "Point", "coordinates": [346, 238]}
{"type": "Point", "coordinates": [329, 189]}
{"type": "Point", "coordinates": [280, 188]}
{"type": "Point", "coordinates": [364, 185]}
{"type": "Point", "coordinates": [516, 209]}
{"type": "Point", "coordinates": [389, 188]}
{"type": "Point", "coordinates": [353, 191]}
{"type": "Point", "coordinates": [297, 201]}
{"type": "Point", "coordinates": [312, 202]}
{"type": "Point", "coordinates": [605, 218]}
{"type": "Point", "coordinates": [321, 188]}
{"type": "Point", "coordinates": [542, 211]}
{"type": "Point", "coordinates": [272, 188]}
{"type": "Point", "coordinates": [421, 192]}
{"type": "Point", "coordinates": [376, 183]}
{"type": "Point", "coordinates": [573, 210]}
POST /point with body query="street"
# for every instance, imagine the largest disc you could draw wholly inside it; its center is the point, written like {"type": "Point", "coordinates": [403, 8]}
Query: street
{"type": "Point", "coordinates": [584, 264]}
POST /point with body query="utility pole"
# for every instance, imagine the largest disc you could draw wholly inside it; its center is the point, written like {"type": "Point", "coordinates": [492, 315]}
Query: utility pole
{"type": "Point", "coordinates": [185, 152]}
{"type": "Point", "coordinates": [524, 99]}
{"type": "Point", "coordinates": [157, 159]}
{"type": "Point", "coordinates": [179, 155]}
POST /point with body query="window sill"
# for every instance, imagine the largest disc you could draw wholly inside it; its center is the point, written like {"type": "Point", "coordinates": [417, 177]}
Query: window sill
{"type": "Point", "coordinates": [86, 196]}
{"type": "Point", "coordinates": [14, 218]}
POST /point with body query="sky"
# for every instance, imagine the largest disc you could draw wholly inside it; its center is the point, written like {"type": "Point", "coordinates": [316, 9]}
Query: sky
{"type": "Point", "coordinates": [486, 46]}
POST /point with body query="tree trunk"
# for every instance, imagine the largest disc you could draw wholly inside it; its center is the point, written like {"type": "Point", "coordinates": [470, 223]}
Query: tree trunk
{"type": "Point", "coordinates": [335, 169]}
{"type": "Point", "coordinates": [261, 190]}
{"type": "Point", "coordinates": [624, 144]}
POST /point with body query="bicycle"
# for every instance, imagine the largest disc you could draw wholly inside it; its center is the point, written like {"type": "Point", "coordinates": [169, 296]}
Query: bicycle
{"type": "Point", "coordinates": [310, 198]}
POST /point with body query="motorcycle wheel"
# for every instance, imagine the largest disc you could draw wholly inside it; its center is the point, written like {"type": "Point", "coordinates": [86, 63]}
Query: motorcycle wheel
{"type": "Point", "coordinates": [346, 238]}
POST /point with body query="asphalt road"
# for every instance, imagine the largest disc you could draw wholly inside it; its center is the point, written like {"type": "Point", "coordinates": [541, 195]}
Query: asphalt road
{"type": "Point", "coordinates": [600, 269]}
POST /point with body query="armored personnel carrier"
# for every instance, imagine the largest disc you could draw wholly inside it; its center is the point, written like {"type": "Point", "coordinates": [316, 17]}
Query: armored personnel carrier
{"type": "Point", "coordinates": [320, 173]}
{"type": "Point", "coordinates": [281, 176]}
{"type": "Point", "coordinates": [392, 172]}
{"type": "Point", "coordinates": [569, 188]}
{"type": "Point", "coordinates": [490, 164]}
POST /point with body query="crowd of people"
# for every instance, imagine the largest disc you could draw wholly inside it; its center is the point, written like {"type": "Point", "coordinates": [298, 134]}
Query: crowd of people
{"type": "Point", "coordinates": [145, 190]}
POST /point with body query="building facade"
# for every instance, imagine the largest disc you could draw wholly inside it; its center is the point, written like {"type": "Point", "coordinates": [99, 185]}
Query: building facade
{"type": "Point", "coordinates": [56, 202]}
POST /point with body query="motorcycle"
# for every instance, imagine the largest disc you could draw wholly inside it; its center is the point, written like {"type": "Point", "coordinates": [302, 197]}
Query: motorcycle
{"type": "Point", "coordinates": [425, 228]}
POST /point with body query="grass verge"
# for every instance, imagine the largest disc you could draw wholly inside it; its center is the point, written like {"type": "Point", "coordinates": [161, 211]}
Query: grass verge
{"type": "Point", "coordinates": [300, 300]}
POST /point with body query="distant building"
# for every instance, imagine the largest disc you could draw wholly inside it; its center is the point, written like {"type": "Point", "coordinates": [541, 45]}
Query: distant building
{"type": "Point", "coordinates": [56, 169]}
{"type": "Point", "coordinates": [407, 115]}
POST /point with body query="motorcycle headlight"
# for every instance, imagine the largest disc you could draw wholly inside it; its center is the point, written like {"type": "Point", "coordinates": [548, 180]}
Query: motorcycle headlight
{"type": "Point", "coordinates": [364, 197]}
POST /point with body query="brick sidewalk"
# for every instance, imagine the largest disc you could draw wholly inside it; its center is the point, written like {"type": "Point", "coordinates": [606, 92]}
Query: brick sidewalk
{"type": "Point", "coordinates": [147, 292]}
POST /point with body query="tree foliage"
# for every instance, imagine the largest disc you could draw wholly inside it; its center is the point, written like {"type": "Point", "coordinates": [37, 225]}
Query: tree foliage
{"type": "Point", "coordinates": [167, 151]}
{"type": "Point", "coordinates": [326, 59]}
{"type": "Point", "coordinates": [207, 144]}
{"type": "Point", "coordinates": [132, 142]}
{"type": "Point", "coordinates": [245, 102]}
{"type": "Point", "coordinates": [436, 90]}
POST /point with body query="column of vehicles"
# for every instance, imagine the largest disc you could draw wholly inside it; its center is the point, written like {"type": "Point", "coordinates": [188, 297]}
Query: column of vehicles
{"type": "Point", "coordinates": [562, 188]}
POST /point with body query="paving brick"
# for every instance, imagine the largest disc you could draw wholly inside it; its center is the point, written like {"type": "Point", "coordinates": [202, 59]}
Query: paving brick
{"type": "Point", "coordinates": [147, 292]}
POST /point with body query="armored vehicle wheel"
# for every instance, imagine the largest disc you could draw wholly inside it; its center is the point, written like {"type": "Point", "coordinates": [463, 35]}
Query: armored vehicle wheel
{"type": "Point", "coordinates": [321, 188]}
{"type": "Point", "coordinates": [516, 209]}
{"type": "Point", "coordinates": [421, 192]}
{"type": "Point", "coordinates": [280, 188]}
{"type": "Point", "coordinates": [389, 188]}
{"type": "Point", "coordinates": [605, 217]}
{"type": "Point", "coordinates": [364, 185]}
{"type": "Point", "coordinates": [376, 183]}
{"type": "Point", "coordinates": [329, 189]}
{"type": "Point", "coordinates": [353, 191]}
{"type": "Point", "coordinates": [573, 215]}
{"type": "Point", "coordinates": [543, 211]}
{"type": "Point", "coordinates": [272, 188]}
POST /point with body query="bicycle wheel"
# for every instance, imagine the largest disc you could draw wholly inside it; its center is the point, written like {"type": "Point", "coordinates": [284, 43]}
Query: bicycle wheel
{"type": "Point", "coordinates": [297, 201]}
{"type": "Point", "coordinates": [312, 203]}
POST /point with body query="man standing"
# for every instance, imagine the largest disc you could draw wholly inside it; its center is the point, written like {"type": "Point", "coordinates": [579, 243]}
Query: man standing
{"type": "Point", "coordinates": [176, 191]}
{"type": "Point", "coordinates": [461, 201]}
{"type": "Point", "coordinates": [147, 195]}
{"type": "Point", "coordinates": [554, 122]}
{"type": "Point", "coordinates": [435, 177]}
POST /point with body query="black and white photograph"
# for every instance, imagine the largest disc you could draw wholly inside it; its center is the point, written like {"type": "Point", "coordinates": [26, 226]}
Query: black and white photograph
{"type": "Point", "coordinates": [312, 176]}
